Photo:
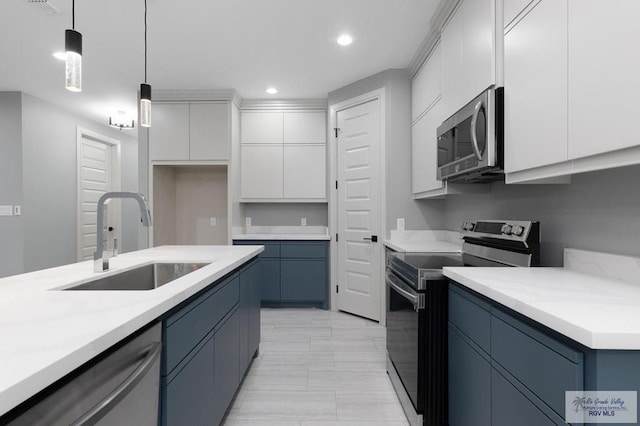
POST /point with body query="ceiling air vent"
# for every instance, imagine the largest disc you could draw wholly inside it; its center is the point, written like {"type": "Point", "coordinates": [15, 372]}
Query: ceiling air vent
{"type": "Point", "coordinates": [44, 6]}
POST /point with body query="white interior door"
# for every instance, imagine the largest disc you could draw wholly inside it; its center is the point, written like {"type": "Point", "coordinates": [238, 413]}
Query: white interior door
{"type": "Point", "coordinates": [359, 192]}
{"type": "Point", "coordinates": [96, 175]}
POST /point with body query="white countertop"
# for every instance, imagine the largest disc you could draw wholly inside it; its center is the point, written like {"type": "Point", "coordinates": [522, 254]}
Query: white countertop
{"type": "Point", "coordinates": [281, 233]}
{"type": "Point", "coordinates": [45, 333]}
{"type": "Point", "coordinates": [419, 241]}
{"type": "Point", "coordinates": [586, 300]}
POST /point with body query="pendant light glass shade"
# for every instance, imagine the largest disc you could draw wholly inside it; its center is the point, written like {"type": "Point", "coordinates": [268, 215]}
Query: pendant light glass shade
{"type": "Point", "coordinates": [145, 105]}
{"type": "Point", "coordinates": [73, 70]}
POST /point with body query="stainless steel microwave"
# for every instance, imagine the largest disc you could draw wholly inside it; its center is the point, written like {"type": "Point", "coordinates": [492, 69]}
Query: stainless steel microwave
{"type": "Point", "coordinates": [471, 141]}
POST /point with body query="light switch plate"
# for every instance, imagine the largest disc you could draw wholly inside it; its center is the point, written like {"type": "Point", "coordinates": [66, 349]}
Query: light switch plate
{"type": "Point", "coordinates": [247, 221]}
{"type": "Point", "coordinates": [303, 221]}
{"type": "Point", "coordinates": [17, 210]}
{"type": "Point", "coordinates": [6, 210]}
{"type": "Point", "coordinates": [400, 224]}
{"type": "Point", "coordinates": [213, 221]}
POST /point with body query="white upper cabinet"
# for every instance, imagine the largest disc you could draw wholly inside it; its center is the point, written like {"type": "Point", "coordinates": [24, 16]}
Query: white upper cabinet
{"type": "Point", "coordinates": [262, 127]}
{"type": "Point", "coordinates": [535, 79]}
{"type": "Point", "coordinates": [424, 148]}
{"type": "Point", "coordinates": [604, 79]}
{"type": "Point", "coordinates": [470, 52]}
{"type": "Point", "coordinates": [169, 132]}
{"type": "Point", "coordinates": [283, 156]}
{"type": "Point", "coordinates": [571, 93]}
{"type": "Point", "coordinates": [305, 127]}
{"type": "Point", "coordinates": [513, 8]}
{"type": "Point", "coordinates": [425, 87]}
{"type": "Point", "coordinates": [209, 131]}
{"type": "Point", "coordinates": [184, 131]}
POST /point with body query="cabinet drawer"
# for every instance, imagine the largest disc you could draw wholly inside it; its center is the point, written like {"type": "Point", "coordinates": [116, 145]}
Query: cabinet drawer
{"type": "Point", "coordinates": [271, 249]}
{"type": "Point", "coordinates": [197, 319]}
{"type": "Point", "coordinates": [510, 407]}
{"type": "Point", "coordinates": [471, 316]}
{"type": "Point", "coordinates": [304, 250]}
{"type": "Point", "coordinates": [545, 366]}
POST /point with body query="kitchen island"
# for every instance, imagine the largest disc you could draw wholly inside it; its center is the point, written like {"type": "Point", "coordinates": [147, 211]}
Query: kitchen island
{"type": "Point", "coordinates": [47, 333]}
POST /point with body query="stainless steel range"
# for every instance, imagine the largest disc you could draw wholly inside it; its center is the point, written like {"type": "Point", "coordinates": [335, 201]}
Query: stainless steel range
{"type": "Point", "coordinates": [417, 310]}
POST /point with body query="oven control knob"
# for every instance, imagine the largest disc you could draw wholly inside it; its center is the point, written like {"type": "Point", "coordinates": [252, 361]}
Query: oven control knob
{"type": "Point", "coordinates": [518, 230]}
{"type": "Point", "coordinates": [506, 229]}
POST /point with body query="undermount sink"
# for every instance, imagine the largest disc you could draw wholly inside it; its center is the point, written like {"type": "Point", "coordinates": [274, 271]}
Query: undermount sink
{"type": "Point", "coordinates": [145, 277]}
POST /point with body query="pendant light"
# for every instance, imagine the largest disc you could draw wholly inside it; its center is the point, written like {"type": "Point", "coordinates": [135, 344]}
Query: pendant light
{"type": "Point", "coordinates": [73, 50]}
{"type": "Point", "coordinates": [145, 89]}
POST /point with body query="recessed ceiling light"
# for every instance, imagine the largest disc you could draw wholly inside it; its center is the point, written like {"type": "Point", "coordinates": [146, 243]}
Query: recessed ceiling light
{"type": "Point", "coordinates": [345, 40]}
{"type": "Point", "coordinates": [60, 55]}
{"type": "Point", "coordinates": [272, 90]}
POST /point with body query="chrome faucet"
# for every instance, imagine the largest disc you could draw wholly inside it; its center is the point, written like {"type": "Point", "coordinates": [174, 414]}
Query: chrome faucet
{"type": "Point", "coordinates": [100, 260]}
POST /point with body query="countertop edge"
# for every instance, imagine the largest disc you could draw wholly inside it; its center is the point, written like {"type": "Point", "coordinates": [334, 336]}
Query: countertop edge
{"type": "Point", "coordinates": [283, 237]}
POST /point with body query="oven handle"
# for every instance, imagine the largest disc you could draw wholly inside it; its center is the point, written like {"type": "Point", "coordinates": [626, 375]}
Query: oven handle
{"type": "Point", "coordinates": [474, 136]}
{"type": "Point", "coordinates": [417, 299]}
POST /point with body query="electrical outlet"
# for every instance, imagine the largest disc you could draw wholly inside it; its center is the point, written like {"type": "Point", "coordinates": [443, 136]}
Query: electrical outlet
{"type": "Point", "coordinates": [213, 221]}
{"type": "Point", "coordinates": [17, 210]}
{"type": "Point", "coordinates": [247, 221]}
{"type": "Point", "coordinates": [400, 224]}
{"type": "Point", "coordinates": [303, 221]}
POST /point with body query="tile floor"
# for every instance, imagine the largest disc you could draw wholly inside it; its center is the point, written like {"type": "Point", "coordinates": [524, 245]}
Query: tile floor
{"type": "Point", "coordinates": [317, 368]}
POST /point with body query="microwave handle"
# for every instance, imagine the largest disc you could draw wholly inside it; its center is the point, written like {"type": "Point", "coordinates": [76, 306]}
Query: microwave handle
{"type": "Point", "coordinates": [474, 136]}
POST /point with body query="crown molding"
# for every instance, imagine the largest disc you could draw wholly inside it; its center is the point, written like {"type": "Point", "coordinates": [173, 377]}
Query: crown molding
{"type": "Point", "coordinates": [439, 19]}
{"type": "Point", "coordinates": [284, 104]}
{"type": "Point", "coordinates": [169, 95]}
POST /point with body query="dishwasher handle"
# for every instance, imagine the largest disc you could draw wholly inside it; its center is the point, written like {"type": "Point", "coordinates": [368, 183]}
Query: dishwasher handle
{"type": "Point", "coordinates": [416, 299]}
{"type": "Point", "coordinates": [105, 405]}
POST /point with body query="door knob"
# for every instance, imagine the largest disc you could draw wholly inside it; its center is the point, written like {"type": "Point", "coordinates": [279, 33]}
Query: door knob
{"type": "Point", "coordinates": [373, 238]}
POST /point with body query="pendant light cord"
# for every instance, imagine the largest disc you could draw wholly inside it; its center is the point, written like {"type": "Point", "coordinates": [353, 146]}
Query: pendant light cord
{"type": "Point", "coordinates": [145, 41]}
{"type": "Point", "coordinates": [73, 14]}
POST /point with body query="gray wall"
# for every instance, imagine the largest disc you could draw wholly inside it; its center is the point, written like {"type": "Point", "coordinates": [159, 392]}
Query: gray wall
{"type": "Point", "coordinates": [11, 229]}
{"type": "Point", "coordinates": [399, 202]}
{"type": "Point", "coordinates": [286, 214]}
{"type": "Point", "coordinates": [598, 211]}
{"type": "Point", "coordinates": [50, 188]}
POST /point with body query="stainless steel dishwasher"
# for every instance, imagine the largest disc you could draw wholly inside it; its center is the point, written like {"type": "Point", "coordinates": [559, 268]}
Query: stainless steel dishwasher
{"type": "Point", "coordinates": [119, 388]}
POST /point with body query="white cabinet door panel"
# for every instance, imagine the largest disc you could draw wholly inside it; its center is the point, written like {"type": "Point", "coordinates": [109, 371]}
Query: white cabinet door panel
{"type": "Point", "coordinates": [452, 65]}
{"type": "Point", "coordinates": [305, 127]}
{"type": "Point", "coordinates": [535, 77]}
{"type": "Point", "coordinates": [261, 127]}
{"type": "Point", "coordinates": [604, 89]}
{"type": "Point", "coordinates": [169, 133]}
{"type": "Point", "coordinates": [424, 151]}
{"type": "Point", "coordinates": [425, 87]}
{"type": "Point", "coordinates": [478, 47]}
{"type": "Point", "coordinates": [209, 131]}
{"type": "Point", "coordinates": [261, 171]}
{"type": "Point", "coordinates": [305, 172]}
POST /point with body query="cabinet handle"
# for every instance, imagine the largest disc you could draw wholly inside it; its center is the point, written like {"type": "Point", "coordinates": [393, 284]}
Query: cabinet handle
{"type": "Point", "coordinates": [474, 136]}
{"type": "Point", "coordinates": [99, 410]}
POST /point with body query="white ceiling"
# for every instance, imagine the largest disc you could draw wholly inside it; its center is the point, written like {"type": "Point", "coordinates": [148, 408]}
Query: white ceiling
{"type": "Point", "coordinates": [245, 45]}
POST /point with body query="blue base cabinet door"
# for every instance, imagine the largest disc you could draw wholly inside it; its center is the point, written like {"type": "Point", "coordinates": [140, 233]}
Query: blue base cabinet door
{"type": "Point", "coordinates": [249, 313]}
{"type": "Point", "coordinates": [190, 394]}
{"type": "Point", "coordinates": [270, 280]}
{"type": "Point", "coordinates": [226, 366]}
{"type": "Point", "coordinates": [469, 384]}
{"type": "Point", "coordinates": [304, 280]}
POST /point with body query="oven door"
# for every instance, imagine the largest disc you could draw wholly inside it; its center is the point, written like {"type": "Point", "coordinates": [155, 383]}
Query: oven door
{"type": "Point", "coordinates": [405, 319]}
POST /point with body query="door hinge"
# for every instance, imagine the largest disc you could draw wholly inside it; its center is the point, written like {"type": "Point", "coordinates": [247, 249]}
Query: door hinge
{"type": "Point", "coordinates": [336, 129]}
{"type": "Point", "coordinates": [336, 184]}
{"type": "Point", "coordinates": [336, 236]}
{"type": "Point", "coordinates": [337, 288]}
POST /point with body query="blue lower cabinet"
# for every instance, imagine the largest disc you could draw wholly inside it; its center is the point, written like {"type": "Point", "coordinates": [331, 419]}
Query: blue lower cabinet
{"type": "Point", "coordinates": [469, 383]}
{"type": "Point", "coordinates": [188, 396]}
{"type": "Point", "coordinates": [293, 273]}
{"type": "Point", "coordinates": [226, 366]}
{"type": "Point", "coordinates": [270, 280]}
{"type": "Point", "coordinates": [208, 342]}
{"type": "Point", "coordinates": [303, 280]}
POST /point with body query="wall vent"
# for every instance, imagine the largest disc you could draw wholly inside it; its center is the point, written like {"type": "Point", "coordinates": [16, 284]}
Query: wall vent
{"type": "Point", "coordinates": [44, 6]}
